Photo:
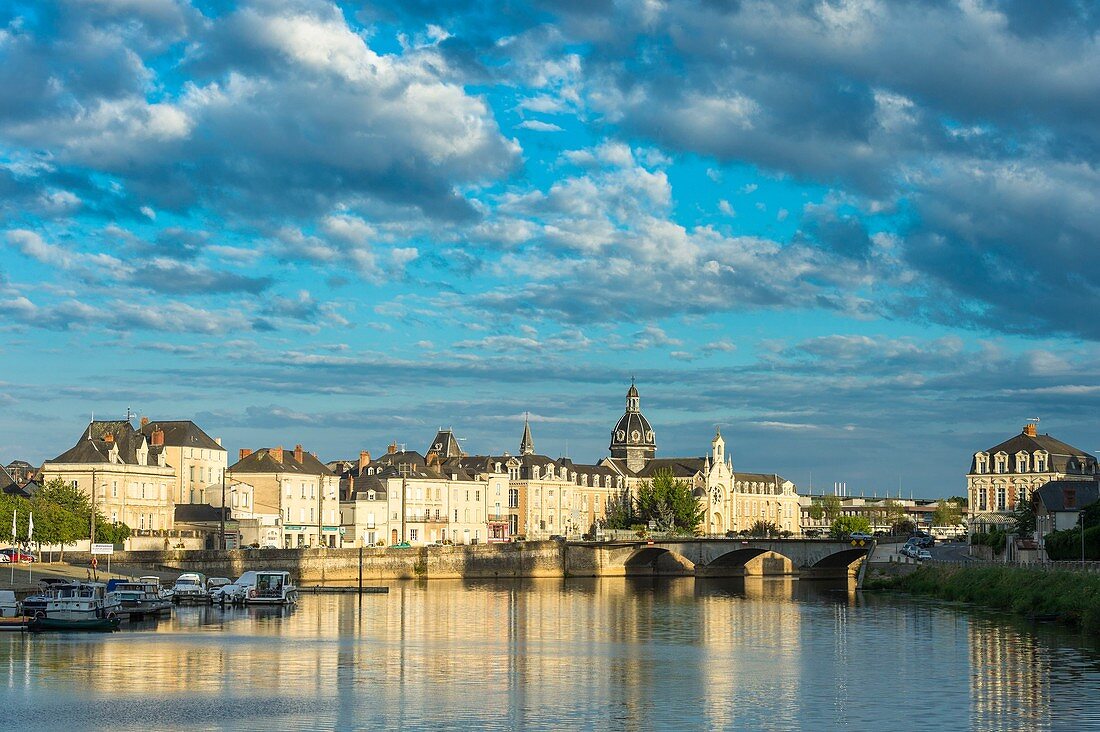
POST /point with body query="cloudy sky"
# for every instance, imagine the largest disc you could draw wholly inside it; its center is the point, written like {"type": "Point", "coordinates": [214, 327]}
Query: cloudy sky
{"type": "Point", "coordinates": [861, 235]}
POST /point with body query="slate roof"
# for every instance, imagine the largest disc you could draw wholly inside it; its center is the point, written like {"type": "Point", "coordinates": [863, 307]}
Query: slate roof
{"type": "Point", "coordinates": [183, 433]}
{"type": "Point", "coordinates": [93, 446]}
{"type": "Point", "coordinates": [6, 481]}
{"type": "Point", "coordinates": [197, 513]}
{"type": "Point", "coordinates": [262, 461]}
{"type": "Point", "coordinates": [445, 445]}
{"type": "Point", "coordinates": [680, 467]}
{"type": "Point", "coordinates": [1063, 458]}
{"type": "Point", "coordinates": [1053, 495]}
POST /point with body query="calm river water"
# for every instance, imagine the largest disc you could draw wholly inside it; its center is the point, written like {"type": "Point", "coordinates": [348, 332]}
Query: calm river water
{"type": "Point", "coordinates": [579, 654]}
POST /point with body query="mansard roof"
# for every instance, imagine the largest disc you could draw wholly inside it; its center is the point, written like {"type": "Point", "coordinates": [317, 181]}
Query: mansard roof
{"type": "Point", "coordinates": [182, 433]}
{"type": "Point", "coordinates": [1061, 454]}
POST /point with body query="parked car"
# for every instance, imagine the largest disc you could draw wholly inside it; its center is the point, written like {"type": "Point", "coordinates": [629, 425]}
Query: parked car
{"type": "Point", "coordinates": [923, 554]}
{"type": "Point", "coordinates": [402, 545]}
{"type": "Point", "coordinates": [860, 536]}
{"type": "Point", "coordinates": [14, 555]}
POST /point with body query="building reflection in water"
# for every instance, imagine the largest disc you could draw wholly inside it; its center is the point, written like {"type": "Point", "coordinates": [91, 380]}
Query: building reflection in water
{"type": "Point", "coordinates": [536, 654]}
{"type": "Point", "coordinates": [1010, 678]}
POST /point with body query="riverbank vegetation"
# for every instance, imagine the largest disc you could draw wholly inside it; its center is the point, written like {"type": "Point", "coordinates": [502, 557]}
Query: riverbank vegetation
{"type": "Point", "coordinates": [1068, 596]}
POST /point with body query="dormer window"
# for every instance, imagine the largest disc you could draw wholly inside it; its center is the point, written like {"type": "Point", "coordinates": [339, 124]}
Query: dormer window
{"type": "Point", "coordinates": [1022, 462]}
{"type": "Point", "coordinates": [370, 495]}
{"type": "Point", "coordinates": [1000, 463]}
{"type": "Point", "coordinates": [1041, 462]}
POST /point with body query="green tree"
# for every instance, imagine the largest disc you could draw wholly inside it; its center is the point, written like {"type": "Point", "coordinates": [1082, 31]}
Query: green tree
{"type": "Point", "coordinates": [845, 526]}
{"type": "Point", "coordinates": [903, 527]}
{"type": "Point", "coordinates": [948, 512]}
{"type": "Point", "coordinates": [1023, 519]}
{"type": "Point", "coordinates": [620, 512]}
{"type": "Point", "coordinates": [62, 514]}
{"type": "Point", "coordinates": [764, 528]}
{"type": "Point", "coordinates": [669, 503]}
{"type": "Point", "coordinates": [827, 508]}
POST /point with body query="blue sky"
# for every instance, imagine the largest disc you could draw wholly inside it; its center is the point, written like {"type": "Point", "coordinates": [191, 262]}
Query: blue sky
{"type": "Point", "coordinates": [860, 235]}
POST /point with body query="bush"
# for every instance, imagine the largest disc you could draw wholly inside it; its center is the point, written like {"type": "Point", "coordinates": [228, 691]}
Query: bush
{"type": "Point", "coordinates": [1072, 597]}
{"type": "Point", "coordinates": [1066, 545]}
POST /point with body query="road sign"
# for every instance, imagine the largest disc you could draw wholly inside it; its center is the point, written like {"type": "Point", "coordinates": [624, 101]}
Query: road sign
{"type": "Point", "coordinates": [103, 548]}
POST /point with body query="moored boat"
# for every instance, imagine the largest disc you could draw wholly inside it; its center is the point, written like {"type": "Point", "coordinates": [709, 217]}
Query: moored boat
{"type": "Point", "coordinates": [83, 606]}
{"type": "Point", "coordinates": [272, 588]}
{"type": "Point", "coordinates": [140, 600]}
{"type": "Point", "coordinates": [190, 589]}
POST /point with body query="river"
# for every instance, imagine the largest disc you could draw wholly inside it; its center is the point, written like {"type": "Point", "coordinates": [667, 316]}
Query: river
{"type": "Point", "coordinates": [576, 654]}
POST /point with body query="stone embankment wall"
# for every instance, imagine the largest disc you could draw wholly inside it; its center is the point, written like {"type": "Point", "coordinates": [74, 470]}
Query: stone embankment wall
{"type": "Point", "coordinates": [341, 566]}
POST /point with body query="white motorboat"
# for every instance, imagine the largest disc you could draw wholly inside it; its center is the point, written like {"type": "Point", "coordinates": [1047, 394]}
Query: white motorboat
{"type": "Point", "coordinates": [272, 588]}
{"type": "Point", "coordinates": [190, 589]}
{"type": "Point", "coordinates": [235, 593]}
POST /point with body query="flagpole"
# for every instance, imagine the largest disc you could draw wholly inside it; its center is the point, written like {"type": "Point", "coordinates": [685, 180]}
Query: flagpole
{"type": "Point", "coordinates": [14, 550]}
{"type": "Point", "coordinates": [30, 538]}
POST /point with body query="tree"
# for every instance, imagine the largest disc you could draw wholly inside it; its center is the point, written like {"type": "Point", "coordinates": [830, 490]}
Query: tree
{"type": "Point", "coordinates": [764, 528]}
{"type": "Point", "coordinates": [620, 512]}
{"type": "Point", "coordinates": [903, 527]}
{"type": "Point", "coordinates": [1023, 519]}
{"type": "Point", "coordinates": [893, 513]}
{"type": "Point", "coordinates": [669, 503]}
{"type": "Point", "coordinates": [948, 513]}
{"type": "Point", "coordinates": [827, 508]}
{"type": "Point", "coordinates": [845, 526]}
{"type": "Point", "coordinates": [62, 514]}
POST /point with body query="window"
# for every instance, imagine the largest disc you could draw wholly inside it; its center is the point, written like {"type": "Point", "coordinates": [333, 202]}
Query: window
{"type": "Point", "coordinates": [456, 515]}
{"type": "Point", "coordinates": [513, 498]}
{"type": "Point", "coordinates": [477, 495]}
{"type": "Point", "coordinates": [1000, 498]}
{"type": "Point", "coordinates": [981, 499]}
{"type": "Point", "coordinates": [414, 534]}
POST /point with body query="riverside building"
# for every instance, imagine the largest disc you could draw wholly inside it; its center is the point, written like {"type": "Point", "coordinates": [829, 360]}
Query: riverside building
{"type": "Point", "coordinates": [1008, 473]}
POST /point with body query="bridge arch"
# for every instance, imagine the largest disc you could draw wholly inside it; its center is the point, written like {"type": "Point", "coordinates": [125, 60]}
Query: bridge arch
{"type": "Point", "coordinates": [748, 561]}
{"type": "Point", "coordinates": [840, 563]}
{"type": "Point", "coordinates": [653, 560]}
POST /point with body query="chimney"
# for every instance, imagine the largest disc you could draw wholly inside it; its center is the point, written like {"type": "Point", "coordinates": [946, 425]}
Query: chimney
{"type": "Point", "coordinates": [1030, 430]}
{"type": "Point", "coordinates": [245, 452]}
{"type": "Point", "coordinates": [144, 421]}
{"type": "Point", "coordinates": [392, 448]}
{"type": "Point", "coordinates": [108, 438]}
{"type": "Point", "coordinates": [276, 453]}
{"type": "Point", "coordinates": [157, 438]}
{"type": "Point", "coordinates": [364, 460]}
{"type": "Point", "coordinates": [298, 456]}
{"type": "Point", "coordinates": [218, 440]}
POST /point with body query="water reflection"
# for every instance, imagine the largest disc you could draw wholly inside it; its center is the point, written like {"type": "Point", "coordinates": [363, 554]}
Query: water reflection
{"type": "Point", "coordinates": [627, 654]}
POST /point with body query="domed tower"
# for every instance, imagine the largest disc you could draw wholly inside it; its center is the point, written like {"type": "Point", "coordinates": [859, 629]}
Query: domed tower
{"type": "Point", "coordinates": [632, 439]}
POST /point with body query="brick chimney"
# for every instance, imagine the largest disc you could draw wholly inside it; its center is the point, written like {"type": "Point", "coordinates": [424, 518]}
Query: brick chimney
{"type": "Point", "coordinates": [364, 460]}
{"type": "Point", "coordinates": [157, 438]}
{"type": "Point", "coordinates": [298, 455]}
{"type": "Point", "coordinates": [276, 453]}
{"type": "Point", "coordinates": [144, 421]}
{"type": "Point", "coordinates": [245, 452]}
{"type": "Point", "coordinates": [108, 438]}
{"type": "Point", "coordinates": [1030, 430]}
{"type": "Point", "coordinates": [392, 448]}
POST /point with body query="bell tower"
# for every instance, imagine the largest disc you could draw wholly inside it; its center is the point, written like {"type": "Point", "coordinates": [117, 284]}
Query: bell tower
{"type": "Point", "coordinates": [632, 439]}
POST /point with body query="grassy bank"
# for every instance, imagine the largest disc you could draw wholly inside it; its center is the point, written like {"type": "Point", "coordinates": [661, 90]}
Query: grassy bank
{"type": "Point", "coordinates": [1071, 597]}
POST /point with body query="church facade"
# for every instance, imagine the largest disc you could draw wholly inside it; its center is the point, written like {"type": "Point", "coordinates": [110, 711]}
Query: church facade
{"type": "Point", "coordinates": [733, 500]}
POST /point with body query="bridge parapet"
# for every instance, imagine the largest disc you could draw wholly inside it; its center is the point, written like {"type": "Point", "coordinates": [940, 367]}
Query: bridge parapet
{"type": "Point", "coordinates": [809, 558]}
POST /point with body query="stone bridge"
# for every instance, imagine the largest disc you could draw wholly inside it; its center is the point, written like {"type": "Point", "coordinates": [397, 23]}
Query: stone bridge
{"type": "Point", "coordinates": [807, 558]}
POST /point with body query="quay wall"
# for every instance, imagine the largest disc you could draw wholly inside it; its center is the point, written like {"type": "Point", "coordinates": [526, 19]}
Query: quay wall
{"type": "Point", "coordinates": [341, 566]}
